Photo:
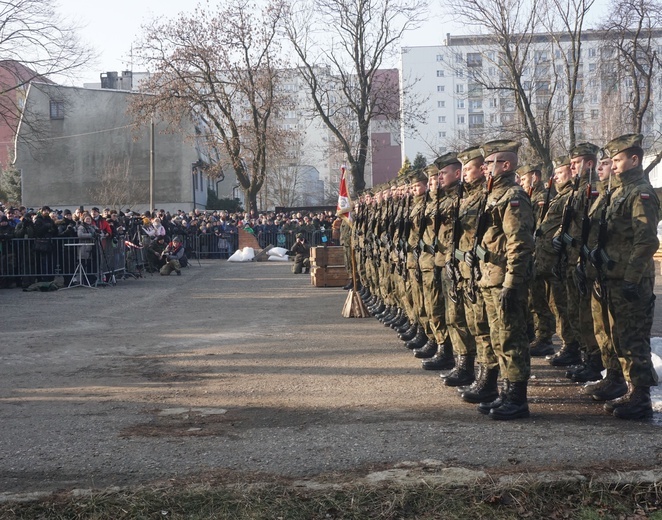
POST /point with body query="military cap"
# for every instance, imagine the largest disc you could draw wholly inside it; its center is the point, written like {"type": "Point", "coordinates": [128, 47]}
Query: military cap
{"type": "Point", "coordinates": [419, 176]}
{"type": "Point", "coordinates": [498, 146]}
{"type": "Point", "coordinates": [527, 168]}
{"type": "Point", "coordinates": [562, 160]}
{"type": "Point", "coordinates": [431, 169]}
{"type": "Point", "coordinates": [622, 143]}
{"type": "Point", "coordinates": [446, 160]}
{"type": "Point", "coordinates": [584, 149]}
{"type": "Point", "coordinates": [469, 154]}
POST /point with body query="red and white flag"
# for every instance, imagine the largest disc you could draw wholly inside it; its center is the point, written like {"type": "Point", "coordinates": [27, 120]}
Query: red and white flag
{"type": "Point", "coordinates": [344, 204]}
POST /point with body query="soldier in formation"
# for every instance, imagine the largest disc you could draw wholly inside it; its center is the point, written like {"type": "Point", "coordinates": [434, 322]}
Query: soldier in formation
{"type": "Point", "coordinates": [476, 262]}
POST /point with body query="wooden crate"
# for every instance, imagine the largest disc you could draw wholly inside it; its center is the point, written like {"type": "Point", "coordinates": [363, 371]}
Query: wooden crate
{"type": "Point", "coordinates": [329, 276]}
{"type": "Point", "coordinates": [327, 256]}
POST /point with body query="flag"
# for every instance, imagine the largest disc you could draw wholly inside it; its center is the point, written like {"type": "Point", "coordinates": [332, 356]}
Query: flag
{"type": "Point", "coordinates": [344, 204]}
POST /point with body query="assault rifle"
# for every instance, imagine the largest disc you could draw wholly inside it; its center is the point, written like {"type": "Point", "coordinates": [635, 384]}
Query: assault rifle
{"type": "Point", "coordinates": [456, 255]}
{"type": "Point", "coordinates": [586, 230]}
{"type": "Point", "coordinates": [566, 239]}
{"type": "Point", "coordinates": [420, 245]}
{"type": "Point", "coordinates": [437, 227]}
{"type": "Point", "coordinates": [545, 206]}
{"type": "Point", "coordinates": [599, 257]}
{"type": "Point", "coordinates": [477, 251]}
{"type": "Point", "coordinates": [403, 240]}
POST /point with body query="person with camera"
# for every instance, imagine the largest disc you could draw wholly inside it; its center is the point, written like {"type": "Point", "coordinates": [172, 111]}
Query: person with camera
{"type": "Point", "coordinates": [175, 257]}
{"type": "Point", "coordinates": [301, 252]}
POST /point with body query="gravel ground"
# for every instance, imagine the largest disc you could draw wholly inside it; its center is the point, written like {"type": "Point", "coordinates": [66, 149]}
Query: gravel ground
{"type": "Point", "coordinates": [248, 368]}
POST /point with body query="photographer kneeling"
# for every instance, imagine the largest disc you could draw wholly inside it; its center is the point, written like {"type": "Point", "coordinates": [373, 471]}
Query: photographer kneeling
{"type": "Point", "coordinates": [301, 252]}
{"type": "Point", "coordinates": [175, 257]}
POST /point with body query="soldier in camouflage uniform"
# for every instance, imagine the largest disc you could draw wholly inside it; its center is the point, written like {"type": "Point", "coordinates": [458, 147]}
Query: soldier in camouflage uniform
{"type": "Point", "coordinates": [540, 318]}
{"type": "Point", "coordinates": [582, 163]}
{"type": "Point", "coordinates": [505, 259]}
{"type": "Point", "coordinates": [463, 343]}
{"type": "Point", "coordinates": [632, 218]}
{"type": "Point", "coordinates": [484, 388]}
{"type": "Point", "coordinates": [613, 385]}
{"type": "Point", "coordinates": [432, 292]}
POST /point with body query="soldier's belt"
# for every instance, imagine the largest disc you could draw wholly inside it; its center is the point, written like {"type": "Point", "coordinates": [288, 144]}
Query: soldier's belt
{"type": "Point", "coordinates": [425, 247]}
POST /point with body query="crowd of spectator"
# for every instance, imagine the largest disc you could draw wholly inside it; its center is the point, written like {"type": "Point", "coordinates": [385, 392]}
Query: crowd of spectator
{"type": "Point", "coordinates": [216, 230]}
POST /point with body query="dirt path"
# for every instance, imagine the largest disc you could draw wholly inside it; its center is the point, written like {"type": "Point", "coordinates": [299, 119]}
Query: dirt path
{"type": "Point", "coordinates": [248, 368]}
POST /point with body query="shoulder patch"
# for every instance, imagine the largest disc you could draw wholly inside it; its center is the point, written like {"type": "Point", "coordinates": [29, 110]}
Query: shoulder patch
{"type": "Point", "coordinates": [541, 203]}
{"type": "Point", "coordinates": [594, 194]}
{"type": "Point", "coordinates": [514, 203]}
{"type": "Point", "coordinates": [645, 196]}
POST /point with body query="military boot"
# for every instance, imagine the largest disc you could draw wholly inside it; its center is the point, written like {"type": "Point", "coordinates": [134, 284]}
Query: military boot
{"type": "Point", "coordinates": [418, 341]}
{"type": "Point", "coordinates": [402, 320]}
{"type": "Point", "coordinates": [612, 404]}
{"type": "Point", "coordinates": [349, 285]}
{"type": "Point", "coordinates": [591, 370]}
{"type": "Point", "coordinates": [484, 388]}
{"type": "Point", "coordinates": [385, 314]}
{"type": "Point", "coordinates": [443, 359]}
{"type": "Point", "coordinates": [611, 387]}
{"type": "Point", "coordinates": [486, 407]}
{"type": "Point", "coordinates": [636, 404]}
{"type": "Point", "coordinates": [514, 405]}
{"type": "Point", "coordinates": [463, 374]}
{"type": "Point", "coordinates": [377, 308]}
{"type": "Point", "coordinates": [568, 355]}
{"type": "Point", "coordinates": [396, 314]}
{"type": "Point", "coordinates": [541, 347]}
{"type": "Point", "coordinates": [426, 351]}
{"type": "Point", "coordinates": [410, 333]}
{"type": "Point", "coordinates": [406, 325]}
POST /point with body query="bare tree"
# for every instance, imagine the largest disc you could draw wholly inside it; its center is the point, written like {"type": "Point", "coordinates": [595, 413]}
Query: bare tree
{"type": "Point", "coordinates": [224, 74]}
{"type": "Point", "coordinates": [117, 188]}
{"type": "Point", "coordinates": [633, 29]}
{"type": "Point", "coordinates": [570, 15]}
{"type": "Point", "coordinates": [510, 28]}
{"type": "Point", "coordinates": [341, 46]}
{"type": "Point", "coordinates": [285, 186]}
{"type": "Point", "coordinates": [35, 44]}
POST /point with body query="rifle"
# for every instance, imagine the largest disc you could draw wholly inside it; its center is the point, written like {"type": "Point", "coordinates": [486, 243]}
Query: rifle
{"type": "Point", "coordinates": [545, 206]}
{"type": "Point", "coordinates": [599, 257]}
{"type": "Point", "coordinates": [420, 245]}
{"type": "Point", "coordinates": [566, 240]}
{"type": "Point", "coordinates": [403, 241]}
{"type": "Point", "coordinates": [437, 226]}
{"type": "Point", "coordinates": [477, 251]}
{"type": "Point", "coordinates": [586, 230]}
{"type": "Point", "coordinates": [454, 270]}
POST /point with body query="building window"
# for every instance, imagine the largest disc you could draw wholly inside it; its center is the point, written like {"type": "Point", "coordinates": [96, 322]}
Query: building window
{"type": "Point", "coordinates": [442, 134]}
{"type": "Point", "coordinates": [459, 89]}
{"type": "Point", "coordinates": [460, 120]}
{"type": "Point", "coordinates": [460, 103]}
{"type": "Point", "coordinates": [441, 88]}
{"type": "Point", "coordinates": [458, 57]}
{"type": "Point", "coordinates": [476, 104]}
{"type": "Point", "coordinates": [441, 104]}
{"type": "Point", "coordinates": [57, 109]}
{"type": "Point", "coordinates": [459, 73]}
{"type": "Point", "coordinates": [592, 53]}
{"type": "Point", "coordinates": [440, 73]}
{"type": "Point", "coordinates": [494, 102]}
{"type": "Point", "coordinates": [440, 57]}
{"type": "Point", "coordinates": [594, 114]}
{"type": "Point", "coordinates": [441, 119]}
{"type": "Point", "coordinates": [591, 67]}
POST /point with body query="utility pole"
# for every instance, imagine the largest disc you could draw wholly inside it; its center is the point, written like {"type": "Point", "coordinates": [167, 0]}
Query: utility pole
{"type": "Point", "coordinates": [151, 164]}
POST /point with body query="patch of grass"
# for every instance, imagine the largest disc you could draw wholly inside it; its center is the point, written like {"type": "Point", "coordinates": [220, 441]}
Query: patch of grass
{"type": "Point", "coordinates": [581, 501]}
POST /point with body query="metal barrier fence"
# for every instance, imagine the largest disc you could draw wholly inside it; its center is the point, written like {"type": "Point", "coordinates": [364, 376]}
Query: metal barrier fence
{"type": "Point", "coordinates": [33, 259]}
{"type": "Point", "coordinates": [287, 239]}
{"type": "Point", "coordinates": [212, 245]}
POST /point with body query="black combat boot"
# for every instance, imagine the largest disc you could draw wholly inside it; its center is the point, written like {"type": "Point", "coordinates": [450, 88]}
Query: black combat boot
{"type": "Point", "coordinates": [484, 388]}
{"type": "Point", "coordinates": [410, 333]}
{"type": "Point", "coordinates": [406, 325]}
{"type": "Point", "coordinates": [385, 314]}
{"type": "Point", "coordinates": [514, 406]}
{"type": "Point", "coordinates": [418, 341]}
{"type": "Point", "coordinates": [378, 308]}
{"type": "Point", "coordinates": [486, 407]}
{"type": "Point", "coordinates": [541, 347]}
{"type": "Point", "coordinates": [567, 356]}
{"type": "Point", "coordinates": [636, 404]}
{"type": "Point", "coordinates": [426, 351]}
{"type": "Point", "coordinates": [396, 314]}
{"type": "Point", "coordinates": [443, 359]}
{"type": "Point", "coordinates": [463, 374]}
{"type": "Point", "coordinates": [399, 322]}
{"type": "Point", "coordinates": [589, 371]}
{"type": "Point", "coordinates": [611, 387]}
{"type": "Point", "coordinates": [349, 285]}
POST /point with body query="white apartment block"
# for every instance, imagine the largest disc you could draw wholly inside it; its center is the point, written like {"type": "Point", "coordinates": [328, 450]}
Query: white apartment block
{"type": "Point", "coordinates": [461, 111]}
